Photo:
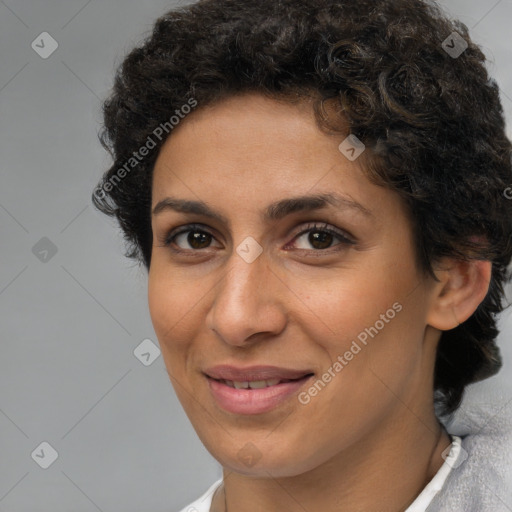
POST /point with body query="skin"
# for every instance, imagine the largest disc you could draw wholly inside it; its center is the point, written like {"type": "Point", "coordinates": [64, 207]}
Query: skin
{"type": "Point", "coordinates": [369, 440]}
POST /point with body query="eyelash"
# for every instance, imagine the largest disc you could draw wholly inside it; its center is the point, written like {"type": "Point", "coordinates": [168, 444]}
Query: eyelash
{"type": "Point", "coordinates": [344, 239]}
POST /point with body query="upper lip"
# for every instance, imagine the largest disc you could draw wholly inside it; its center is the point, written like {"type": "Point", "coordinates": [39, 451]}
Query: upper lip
{"type": "Point", "coordinates": [254, 373]}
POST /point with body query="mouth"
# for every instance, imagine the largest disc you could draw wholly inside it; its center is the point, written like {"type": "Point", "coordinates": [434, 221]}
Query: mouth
{"type": "Point", "coordinates": [255, 373]}
{"type": "Point", "coordinates": [254, 384]}
{"type": "Point", "coordinates": [254, 390]}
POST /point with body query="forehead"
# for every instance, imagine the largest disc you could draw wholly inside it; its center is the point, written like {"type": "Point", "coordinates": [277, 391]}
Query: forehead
{"type": "Point", "coordinates": [259, 150]}
{"type": "Point", "coordinates": [251, 133]}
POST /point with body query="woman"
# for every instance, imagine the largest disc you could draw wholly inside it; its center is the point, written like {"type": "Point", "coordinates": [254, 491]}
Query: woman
{"type": "Point", "coordinates": [316, 188]}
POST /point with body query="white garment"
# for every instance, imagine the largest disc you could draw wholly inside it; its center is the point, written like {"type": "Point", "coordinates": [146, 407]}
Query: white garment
{"type": "Point", "coordinates": [420, 504]}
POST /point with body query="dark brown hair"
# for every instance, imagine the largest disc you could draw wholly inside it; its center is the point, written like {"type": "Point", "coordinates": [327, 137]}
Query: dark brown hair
{"type": "Point", "coordinates": [431, 121]}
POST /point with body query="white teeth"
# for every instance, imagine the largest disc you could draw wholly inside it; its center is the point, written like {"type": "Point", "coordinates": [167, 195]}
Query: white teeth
{"type": "Point", "coordinates": [255, 384]}
{"type": "Point", "coordinates": [258, 384]}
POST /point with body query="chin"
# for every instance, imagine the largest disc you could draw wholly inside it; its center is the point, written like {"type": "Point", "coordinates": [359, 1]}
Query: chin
{"type": "Point", "coordinates": [260, 458]}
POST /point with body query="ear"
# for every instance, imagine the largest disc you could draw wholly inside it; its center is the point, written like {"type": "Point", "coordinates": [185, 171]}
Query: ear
{"type": "Point", "coordinates": [462, 286]}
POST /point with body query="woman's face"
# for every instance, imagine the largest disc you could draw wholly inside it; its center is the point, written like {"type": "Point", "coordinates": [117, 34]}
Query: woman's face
{"type": "Point", "coordinates": [287, 271]}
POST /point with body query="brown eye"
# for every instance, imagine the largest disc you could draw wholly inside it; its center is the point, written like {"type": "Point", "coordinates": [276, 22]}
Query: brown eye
{"type": "Point", "coordinates": [320, 237]}
{"type": "Point", "coordinates": [191, 238]}
{"type": "Point", "coordinates": [199, 239]}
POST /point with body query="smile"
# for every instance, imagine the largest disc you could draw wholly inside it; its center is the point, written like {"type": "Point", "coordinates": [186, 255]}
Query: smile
{"type": "Point", "coordinates": [241, 394]}
{"type": "Point", "coordinates": [255, 384]}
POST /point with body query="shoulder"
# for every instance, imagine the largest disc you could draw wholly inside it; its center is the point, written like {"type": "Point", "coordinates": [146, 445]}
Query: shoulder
{"type": "Point", "coordinates": [204, 502]}
{"type": "Point", "coordinates": [481, 480]}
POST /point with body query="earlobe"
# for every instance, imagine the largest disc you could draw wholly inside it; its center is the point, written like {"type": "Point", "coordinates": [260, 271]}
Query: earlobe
{"type": "Point", "coordinates": [462, 286]}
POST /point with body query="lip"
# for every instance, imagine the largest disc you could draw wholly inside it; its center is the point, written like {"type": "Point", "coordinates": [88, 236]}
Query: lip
{"type": "Point", "coordinates": [254, 401]}
{"type": "Point", "coordinates": [227, 372]}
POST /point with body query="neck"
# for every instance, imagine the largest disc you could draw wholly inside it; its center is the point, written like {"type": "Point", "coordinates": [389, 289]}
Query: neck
{"type": "Point", "coordinates": [385, 470]}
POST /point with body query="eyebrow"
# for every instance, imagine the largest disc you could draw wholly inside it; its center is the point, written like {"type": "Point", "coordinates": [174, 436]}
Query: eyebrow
{"type": "Point", "coordinates": [274, 211]}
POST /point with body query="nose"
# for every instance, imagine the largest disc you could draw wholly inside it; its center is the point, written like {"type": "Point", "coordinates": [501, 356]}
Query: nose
{"type": "Point", "coordinates": [248, 303]}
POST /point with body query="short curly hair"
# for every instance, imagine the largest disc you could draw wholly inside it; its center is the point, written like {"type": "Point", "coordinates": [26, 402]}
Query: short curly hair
{"type": "Point", "coordinates": [431, 120]}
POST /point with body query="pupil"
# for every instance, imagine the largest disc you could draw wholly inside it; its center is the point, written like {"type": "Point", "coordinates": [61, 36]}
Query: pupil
{"type": "Point", "coordinates": [320, 239]}
{"type": "Point", "coordinates": [198, 239]}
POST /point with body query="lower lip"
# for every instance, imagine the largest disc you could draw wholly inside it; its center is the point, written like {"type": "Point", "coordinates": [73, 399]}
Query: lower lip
{"type": "Point", "coordinates": [254, 401]}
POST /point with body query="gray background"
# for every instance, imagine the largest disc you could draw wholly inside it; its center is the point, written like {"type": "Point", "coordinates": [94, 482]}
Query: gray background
{"type": "Point", "coordinates": [70, 325]}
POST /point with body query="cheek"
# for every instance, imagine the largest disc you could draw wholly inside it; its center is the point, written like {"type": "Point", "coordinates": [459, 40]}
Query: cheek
{"type": "Point", "coordinates": [341, 309]}
{"type": "Point", "coordinates": [374, 359]}
{"type": "Point", "coordinates": [372, 322]}
{"type": "Point", "coordinates": [159, 302]}
{"type": "Point", "coordinates": [173, 308]}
